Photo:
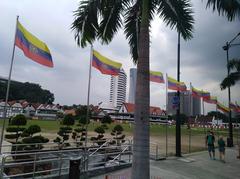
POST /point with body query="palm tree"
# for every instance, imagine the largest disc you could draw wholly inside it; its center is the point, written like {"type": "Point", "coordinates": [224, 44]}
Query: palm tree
{"type": "Point", "coordinates": [95, 19]}
{"type": "Point", "coordinates": [233, 77]}
{"type": "Point", "coordinates": [228, 8]}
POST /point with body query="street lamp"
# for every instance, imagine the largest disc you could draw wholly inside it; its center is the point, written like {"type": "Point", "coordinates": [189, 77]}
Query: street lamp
{"type": "Point", "coordinates": [230, 128]}
{"type": "Point", "coordinates": [178, 119]}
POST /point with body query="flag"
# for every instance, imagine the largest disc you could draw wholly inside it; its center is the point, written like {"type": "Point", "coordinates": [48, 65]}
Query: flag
{"type": "Point", "coordinates": [238, 108]}
{"type": "Point", "coordinates": [211, 100]}
{"type": "Point", "coordinates": [222, 107]}
{"type": "Point", "coordinates": [105, 65]}
{"type": "Point", "coordinates": [205, 94]}
{"type": "Point", "coordinates": [156, 77]}
{"type": "Point", "coordinates": [200, 93]}
{"type": "Point", "coordinates": [196, 92]}
{"type": "Point", "coordinates": [175, 85]}
{"type": "Point", "coordinates": [233, 107]}
{"type": "Point", "coordinates": [32, 47]}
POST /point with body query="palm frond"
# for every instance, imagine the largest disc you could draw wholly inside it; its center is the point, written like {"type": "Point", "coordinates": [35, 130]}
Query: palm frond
{"type": "Point", "coordinates": [132, 24]}
{"type": "Point", "coordinates": [228, 8]}
{"type": "Point", "coordinates": [177, 14]}
{"type": "Point", "coordinates": [234, 64]}
{"type": "Point", "coordinates": [111, 19]}
{"type": "Point", "coordinates": [85, 24]}
{"type": "Point", "coordinates": [230, 80]}
{"type": "Point", "coordinates": [132, 28]}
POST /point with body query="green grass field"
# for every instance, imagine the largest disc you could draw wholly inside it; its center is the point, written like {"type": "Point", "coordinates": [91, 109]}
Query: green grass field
{"type": "Point", "coordinates": [157, 132]}
{"type": "Point", "coordinates": [155, 129]}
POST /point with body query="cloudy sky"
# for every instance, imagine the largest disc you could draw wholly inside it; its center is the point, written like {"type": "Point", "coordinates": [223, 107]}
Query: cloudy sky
{"type": "Point", "coordinates": [203, 62]}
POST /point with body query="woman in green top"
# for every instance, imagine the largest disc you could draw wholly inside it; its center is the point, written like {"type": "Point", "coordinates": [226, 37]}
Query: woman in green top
{"type": "Point", "coordinates": [221, 147]}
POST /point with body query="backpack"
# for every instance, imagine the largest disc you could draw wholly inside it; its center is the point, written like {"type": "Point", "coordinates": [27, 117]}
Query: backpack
{"type": "Point", "coordinates": [210, 140]}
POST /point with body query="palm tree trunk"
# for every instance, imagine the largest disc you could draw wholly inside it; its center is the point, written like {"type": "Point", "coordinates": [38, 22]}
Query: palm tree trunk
{"type": "Point", "coordinates": [140, 165]}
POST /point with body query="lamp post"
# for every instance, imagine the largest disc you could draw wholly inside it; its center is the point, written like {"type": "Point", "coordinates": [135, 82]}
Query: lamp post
{"type": "Point", "coordinates": [178, 119]}
{"type": "Point", "coordinates": [230, 128]}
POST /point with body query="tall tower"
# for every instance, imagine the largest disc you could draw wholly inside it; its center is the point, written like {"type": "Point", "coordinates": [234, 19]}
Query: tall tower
{"type": "Point", "coordinates": [132, 86]}
{"type": "Point", "coordinates": [118, 89]}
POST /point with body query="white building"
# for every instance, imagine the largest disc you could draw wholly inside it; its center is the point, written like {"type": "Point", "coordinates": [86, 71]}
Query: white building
{"type": "Point", "coordinates": [118, 89]}
{"type": "Point", "coordinates": [132, 86]}
{"type": "Point", "coordinates": [47, 111]}
{"type": "Point", "coordinates": [2, 104]}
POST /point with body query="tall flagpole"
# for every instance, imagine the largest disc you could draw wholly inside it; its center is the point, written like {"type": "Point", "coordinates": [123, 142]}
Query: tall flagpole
{"type": "Point", "coordinates": [217, 120]}
{"type": "Point", "coordinates": [203, 117]}
{"type": "Point", "coordinates": [88, 108]}
{"type": "Point", "coordinates": [8, 88]}
{"type": "Point", "coordinates": [166, 81]}
{"type": "Point", "coordinates": [191, 100]}
{"type": "Point", "coordinates": [178, 119]}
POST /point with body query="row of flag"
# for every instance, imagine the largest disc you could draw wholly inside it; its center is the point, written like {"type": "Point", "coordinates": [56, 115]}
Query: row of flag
{"type": "Point", "coordinates": [109, 67]}
{"type": "Point", "coordinates": [38, 51]}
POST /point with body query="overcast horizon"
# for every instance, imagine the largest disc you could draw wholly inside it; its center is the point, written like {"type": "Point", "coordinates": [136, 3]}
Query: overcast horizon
{"type": "Point", "coordinates": [203, 61]}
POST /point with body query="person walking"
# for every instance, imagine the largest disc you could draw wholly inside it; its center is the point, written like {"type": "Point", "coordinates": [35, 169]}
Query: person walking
{"type": "Point", "coordinates": [221, 147]}
{"type": "Point", "coordinates": [210, 139]}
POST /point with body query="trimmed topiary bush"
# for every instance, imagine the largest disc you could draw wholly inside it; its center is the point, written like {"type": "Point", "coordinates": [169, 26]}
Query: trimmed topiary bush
{"type": "Point", "coordinates": [65, 130]}
{"type": "Point", "coordinates": [15, 127]}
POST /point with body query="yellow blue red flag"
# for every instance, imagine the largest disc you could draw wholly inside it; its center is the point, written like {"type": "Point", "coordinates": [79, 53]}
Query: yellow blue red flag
{"type": "Point", "coordinates": [156, 76]}
{"type": "Point", "coordinates": [173, 84]}
{"type": "Point", "coordinates": [105, 65]}
{"type": "Point", "coordinates": [32, 47]}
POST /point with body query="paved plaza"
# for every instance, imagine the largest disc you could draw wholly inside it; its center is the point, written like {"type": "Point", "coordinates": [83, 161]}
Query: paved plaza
{"type": "Point", "coordinates": [192, 166]}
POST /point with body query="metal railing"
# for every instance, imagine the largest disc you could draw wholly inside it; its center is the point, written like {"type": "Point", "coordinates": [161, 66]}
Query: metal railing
{"type": "Point", "coordinates": [56, 163]}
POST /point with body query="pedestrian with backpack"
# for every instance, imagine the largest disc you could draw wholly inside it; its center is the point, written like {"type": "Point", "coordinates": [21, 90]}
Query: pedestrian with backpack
{"type": "Point", "coordinates": [210, 139]}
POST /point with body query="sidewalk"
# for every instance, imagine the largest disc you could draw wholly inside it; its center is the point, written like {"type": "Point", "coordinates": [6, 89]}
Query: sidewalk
{"type": "Point", "coordinates": [192, 166]}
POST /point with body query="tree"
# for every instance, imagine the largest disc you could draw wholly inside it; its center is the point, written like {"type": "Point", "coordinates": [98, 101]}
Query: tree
{"type": "Point", "coordinates": [82, 111]}
{"type": "Point", "coordinates": [100, 136]}
{"type": "Point", "coordinates": [31, 92]}
{"type": "Point", "coordinates": [15, 127]}
{"type": "Point", "coordinates": [31, 140]}
{"type": "Point", "coordinates": [117, 133]}
{"type": "Point", "coordinates": [102, 19]}
{"type": "Point", "coordinates": [105, 121]}
{"type": "Point", "coordinates": [218, 115]}
{"type": "Point", "coordinates": [234, 76]}
{"type": "Point", "coordinates": [183, 117]}
{"type": "Point", "coordinates": [33, 129]}
{"type": "Point", "coordinates": [228, 8]}
{"type": "Point", "coordinates": [79, 134]}
{"type": "Point", "coordinates": [65, 129]}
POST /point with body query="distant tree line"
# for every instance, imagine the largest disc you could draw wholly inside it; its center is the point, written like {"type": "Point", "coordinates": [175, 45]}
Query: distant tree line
{"type": "Point", "coordinates": [33, 93]}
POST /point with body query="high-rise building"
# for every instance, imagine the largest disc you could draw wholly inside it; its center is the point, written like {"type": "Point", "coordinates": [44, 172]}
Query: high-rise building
{"type": "Point", "coordinates": [118, 89]}
{"type": "Point", "coordinates": [132, 85]}
{"type": "Point", "coordinates": [188, 105]}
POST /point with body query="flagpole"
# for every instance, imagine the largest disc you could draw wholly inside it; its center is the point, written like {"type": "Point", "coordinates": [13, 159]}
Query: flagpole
{"type": "Point", "coordinates": [203, 117]}
{"type": "Point", "coordinates": [191, 104]}
{"type": "Point", "coordinates": [88, 97]}
{"type": "Point", "coordinates": [237, 121]}
{"type": "Point", "coordinates": [8, 88]}
{"type": "Point", "coordinates": [191, 100]}
{"type": "Point", "coordinates": [166, 81]}
{"type": "Point", "coordinates": [217, 120]}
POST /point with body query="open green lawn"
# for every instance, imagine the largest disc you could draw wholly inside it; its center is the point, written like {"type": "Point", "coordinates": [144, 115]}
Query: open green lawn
{"type": "Point", "coordinates": [155, 129]}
